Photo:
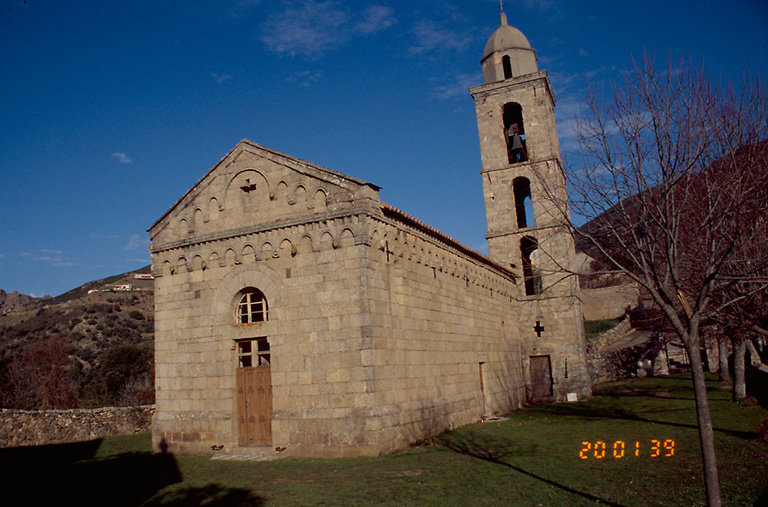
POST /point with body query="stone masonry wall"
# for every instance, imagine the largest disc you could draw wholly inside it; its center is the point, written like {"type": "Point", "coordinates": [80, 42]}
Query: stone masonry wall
{"type": "Point", "coordinates": [548, 320]}
{"type": "Point", "coordinates": [312, 282]}
{"type": "Point", "coordinates": [608, 302]}
{"type": "Point", "coordinates": [290, 229]}
{"type": "Point", "coordinates": [606, 364]}
{"type": "Point", "coordinates": [445, 347]}
{"type": "Point", "coordinates": [40, 427]}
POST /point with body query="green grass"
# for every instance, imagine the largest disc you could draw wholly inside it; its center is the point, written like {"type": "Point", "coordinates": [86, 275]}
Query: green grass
{"type": "Point", "coordinates": [530, 459]}
{"type": "Point", "coordinates": [593, 328]}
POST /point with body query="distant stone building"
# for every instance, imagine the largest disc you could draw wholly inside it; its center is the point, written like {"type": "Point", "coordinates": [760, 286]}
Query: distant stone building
{"type": "Point", "coordinates": [295, 310]}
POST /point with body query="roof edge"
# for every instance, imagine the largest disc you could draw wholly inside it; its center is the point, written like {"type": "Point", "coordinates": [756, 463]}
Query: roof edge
{"type": "Point", "coordinates": [397, 214]}
{"type": "Point", "coordinates": [276, 153]}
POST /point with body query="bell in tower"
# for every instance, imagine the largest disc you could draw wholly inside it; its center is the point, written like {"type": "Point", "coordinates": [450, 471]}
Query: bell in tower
{"type": "Point", "coordinates": [527, 212]}
{"type": "Point", "coordinates": [523, 179]}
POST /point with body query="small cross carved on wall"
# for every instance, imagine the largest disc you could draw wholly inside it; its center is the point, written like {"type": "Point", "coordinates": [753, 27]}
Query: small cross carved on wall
{"type": "Point", "coordinates": [387, 251]}
{"type": "Point", "coordinates": [248, 187]}
{"type": "Point", "coordinates": [538, 328]}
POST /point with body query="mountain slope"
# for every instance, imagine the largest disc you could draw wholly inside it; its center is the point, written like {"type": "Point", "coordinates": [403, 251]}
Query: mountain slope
{"type": "Point", "coordinates": [91, 346]}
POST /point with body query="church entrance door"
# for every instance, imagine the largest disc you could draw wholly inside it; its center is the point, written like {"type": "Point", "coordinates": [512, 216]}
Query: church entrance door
{"type": "Point", "coordinates": [541, 378]}
{"type": "Point", "coordinates": [253, 385]}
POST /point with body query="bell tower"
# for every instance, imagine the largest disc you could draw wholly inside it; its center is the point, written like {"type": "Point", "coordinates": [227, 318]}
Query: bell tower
{"type": "Point", "coordinates": [526, 209]}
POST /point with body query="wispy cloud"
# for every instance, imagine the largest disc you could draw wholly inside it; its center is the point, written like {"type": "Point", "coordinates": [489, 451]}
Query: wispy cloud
{"type": "Point", "coordinates": [103, 236]}
{"type": "Point", "coordinates": [220, 78]}
{"type": "Point", "coordinates": [122, 158]}
{"type": "Point", "coordinates": [431, 36]}
{"type": "Point", "coordinates": [458, 86]}
{"type": "Point", "coordinates": [375, 18]}
{"type": "Point", "coordinates": [309, 28]}
{"type": "Point", "coordinates": [55, 258]}
{"type": "Point", "coordinates": [314, 27]}
{"type": "Point", "coordinates": [568, 111]}
{"type": "Point", "coordinates": [306, 77]}
{"type": "Point", "coordinates": [136, 241]}
{"type": "Point", "coordinates": [239, 8]}
{"type": "Point", "coordinates": [540, 5]}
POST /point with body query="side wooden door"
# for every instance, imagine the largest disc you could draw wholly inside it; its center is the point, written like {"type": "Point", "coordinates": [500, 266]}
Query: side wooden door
{"type": "Point", "coordinates": [254, 405]}
{"type": "Point", "coordinates": [541, 378]}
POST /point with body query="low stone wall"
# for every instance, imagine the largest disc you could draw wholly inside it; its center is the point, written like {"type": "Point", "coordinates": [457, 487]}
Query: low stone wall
{"type": "Point", "coordinates": [608, 302]}
{"type": "Point", "coordinates": [39, 427]}
{"type": "Point", "coordinates": [607, 364]}
{"type": "Point", "coordinates": [608, 338]}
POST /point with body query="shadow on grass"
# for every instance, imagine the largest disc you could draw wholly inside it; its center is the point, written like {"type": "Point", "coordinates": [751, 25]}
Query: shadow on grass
{"type": "Point", "coordinates": [69, 474]}
{"type": "Point", "coordinates": [763, 500]}
{"type": "Point", "coordinates": [587, 411]}
{"type": "Point", "coordinates": [494, 450]}
{"type": "Point", "coordinates": [210, 495]}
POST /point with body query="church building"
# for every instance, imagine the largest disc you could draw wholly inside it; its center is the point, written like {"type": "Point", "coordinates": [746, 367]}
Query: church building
{"type": "Point", "coordinates": [297, 313]}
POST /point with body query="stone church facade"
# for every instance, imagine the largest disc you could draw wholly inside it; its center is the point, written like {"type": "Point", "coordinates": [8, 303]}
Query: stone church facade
{"type": "Point", "coordinates": [296, 311]}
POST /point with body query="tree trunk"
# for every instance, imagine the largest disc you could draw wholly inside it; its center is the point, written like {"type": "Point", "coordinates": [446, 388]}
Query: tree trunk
{"type": "Point", "coordinates": [722, 344]}
{"type": "Point", "coordinates": [739, 377]}
{"type": "Point", "coordinates": [706, 434]}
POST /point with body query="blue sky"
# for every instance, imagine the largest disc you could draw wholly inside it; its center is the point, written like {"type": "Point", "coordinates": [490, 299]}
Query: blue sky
{"type": "Point", "coordinates": [111, 110]}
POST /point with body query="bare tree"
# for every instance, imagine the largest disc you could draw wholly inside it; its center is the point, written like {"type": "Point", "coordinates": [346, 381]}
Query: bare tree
{"type": "Point", "coordinates": [747, 317]}
{"type": "Point", "coordinates": [666, 176]}
{"type": "Point", "coordinates": [36, 378]}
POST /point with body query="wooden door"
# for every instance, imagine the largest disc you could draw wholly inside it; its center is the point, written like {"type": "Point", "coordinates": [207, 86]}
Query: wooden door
{"type": "Point", "coordinates": [254, 405]}
{"type": "Point", "coordinates": [541, 378]}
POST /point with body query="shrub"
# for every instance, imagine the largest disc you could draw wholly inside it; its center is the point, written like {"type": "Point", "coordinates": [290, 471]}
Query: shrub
{"type": "Point", "coordinates": [123, 371]}
{"type": "Point", "coordinates": [136, 314]}
{"type": "Point", "coordinates": [762, 431]}
{"type": "Point", "coordinates": [85, 354]}
{"type": "Point", "coordinates": [32, 387]}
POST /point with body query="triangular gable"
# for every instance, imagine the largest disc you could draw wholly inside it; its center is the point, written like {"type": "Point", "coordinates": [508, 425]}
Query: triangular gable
{"type": "Point", "coordinates": [247, 148]}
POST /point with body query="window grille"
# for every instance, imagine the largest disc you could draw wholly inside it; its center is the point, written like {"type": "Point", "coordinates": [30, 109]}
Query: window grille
{"type": "Point", "coordinates": [252, 308]}
{"type": "Point", "coordinates": [253, 352]}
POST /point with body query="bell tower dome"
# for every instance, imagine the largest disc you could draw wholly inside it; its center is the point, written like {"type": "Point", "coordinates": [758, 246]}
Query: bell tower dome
{"type": "Point", "coordinates": [526, 209]}
{"type": "Point", "coordinates": [507, 54]}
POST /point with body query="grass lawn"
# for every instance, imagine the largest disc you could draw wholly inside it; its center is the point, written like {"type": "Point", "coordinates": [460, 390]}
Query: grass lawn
{"type": "Point", "coordinates": [593, 328]}
{"type": "Point", "coordinates": [530, 459]}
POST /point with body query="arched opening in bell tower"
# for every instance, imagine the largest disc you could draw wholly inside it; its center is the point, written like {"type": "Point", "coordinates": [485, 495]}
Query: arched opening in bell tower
{"type": "Point", "coordinates": [529, 248]}
{"type": "Point", "coordinates": [506, 65]}
{"type": "Point", "coordinates": [514, 131]}
{"type": "Point", "coordinates": [521, 187]}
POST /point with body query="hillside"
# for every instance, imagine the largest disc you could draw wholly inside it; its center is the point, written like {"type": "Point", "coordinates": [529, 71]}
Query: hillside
{"type": "Point", "coordinates": [14, 302]}
{"type": "Point", "coordinates": [91, 346]}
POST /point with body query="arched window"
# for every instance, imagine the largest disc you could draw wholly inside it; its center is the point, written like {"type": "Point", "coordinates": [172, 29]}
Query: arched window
{"type": "Point", "coordinates": [531, 271]}
{"type": "Point", "coordinates": [523, 205]}
{"type": "Point", "coordinates": [514, 132]}
{"type": "Point", "coordinates": [252, 307]}
{"type": "Point", "coordinates": [506, 64]}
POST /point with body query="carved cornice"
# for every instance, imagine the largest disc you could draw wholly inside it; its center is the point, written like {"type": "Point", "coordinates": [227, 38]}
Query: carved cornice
{"type": "Point", "coordinates": [282, 223]}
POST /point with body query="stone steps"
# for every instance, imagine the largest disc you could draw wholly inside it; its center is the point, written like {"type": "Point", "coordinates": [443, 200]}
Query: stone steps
{"type": "Point", "coordinates": [248, 453]}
